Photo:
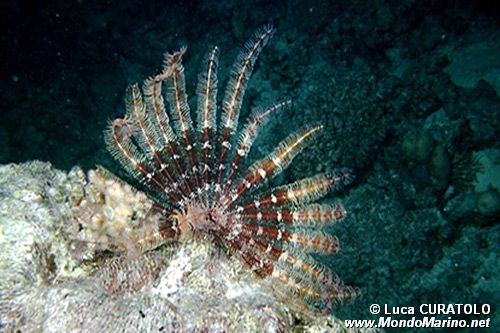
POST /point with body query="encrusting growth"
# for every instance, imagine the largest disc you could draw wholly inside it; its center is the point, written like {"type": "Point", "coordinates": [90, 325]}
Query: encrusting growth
{"type": "Point", "coordinates": [192, 172]}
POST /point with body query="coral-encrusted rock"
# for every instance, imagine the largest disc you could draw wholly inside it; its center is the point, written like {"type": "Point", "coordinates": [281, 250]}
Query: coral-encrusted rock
{"type": "Point", "coordinates": [112, 215]}
{"type": "Point", "coordinates": [176, 287]}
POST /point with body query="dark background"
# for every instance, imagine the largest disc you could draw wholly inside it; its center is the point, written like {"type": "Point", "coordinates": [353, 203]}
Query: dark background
{"type": "Point", "coordinates": [375, 73]}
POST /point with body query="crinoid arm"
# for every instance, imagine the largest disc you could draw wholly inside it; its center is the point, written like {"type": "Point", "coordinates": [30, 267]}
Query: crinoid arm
{"type": "Point", "coordinates": [192, 166]}
{"type": "Point", "coordinates": [283, 227]}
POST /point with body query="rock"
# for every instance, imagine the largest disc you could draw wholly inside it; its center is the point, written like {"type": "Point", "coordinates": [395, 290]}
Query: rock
{"type": "Point", "coordinates": [182, 287]}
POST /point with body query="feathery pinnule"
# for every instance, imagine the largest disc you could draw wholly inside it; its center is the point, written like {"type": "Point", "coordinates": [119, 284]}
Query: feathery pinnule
{"type": "Point", "coordinates": [274, 163]}
{"type": "Point", "coordinates": [193, 172]}
{"type": "Point", "coordinates": [235, 91]}
{"type": "Point", "coordinates": [249, 133]}
{"type": "Point", "coordinates": [206, 92]}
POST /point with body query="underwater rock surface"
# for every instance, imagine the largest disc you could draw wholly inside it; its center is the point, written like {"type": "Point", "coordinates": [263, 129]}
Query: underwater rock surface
{"type": "Point", "coordinates": [55, 279]}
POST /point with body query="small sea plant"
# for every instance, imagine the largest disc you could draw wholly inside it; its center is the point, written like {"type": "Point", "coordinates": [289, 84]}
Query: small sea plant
{"type": "Point", "coordinates": [192, 170]}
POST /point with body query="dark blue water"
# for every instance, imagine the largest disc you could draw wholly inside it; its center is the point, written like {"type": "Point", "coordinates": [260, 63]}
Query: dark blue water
{"type": "Point", "coordinates": [408, 93]}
